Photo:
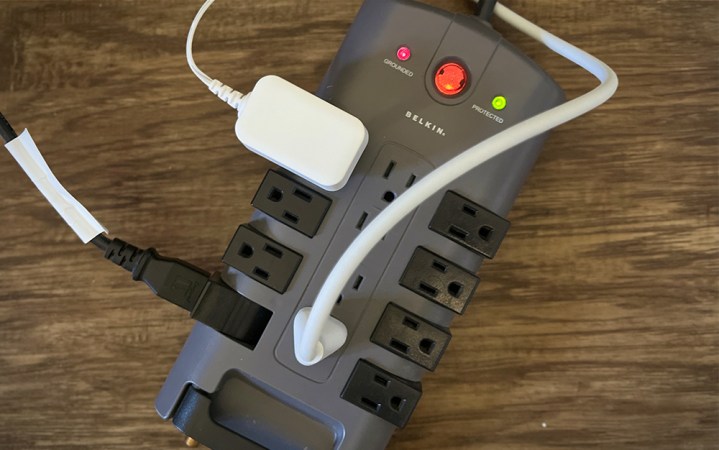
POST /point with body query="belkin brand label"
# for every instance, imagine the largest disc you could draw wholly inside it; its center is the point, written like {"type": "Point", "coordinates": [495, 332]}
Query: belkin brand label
{"type": "Point", "coordinates": [425, 123]}
{"type": "Point", "coordinates": [399, 68]}
{"type": "Point", "coordinates": [489, 114]}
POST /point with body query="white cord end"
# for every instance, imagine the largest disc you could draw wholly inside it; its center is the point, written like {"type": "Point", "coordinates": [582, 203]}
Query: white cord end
{"type": "Point", "coordinates": [332, 338]}
{"type": "Point", "coordinates": [26, 153]}
{"type": "Point", "coordinates": [226, 93]}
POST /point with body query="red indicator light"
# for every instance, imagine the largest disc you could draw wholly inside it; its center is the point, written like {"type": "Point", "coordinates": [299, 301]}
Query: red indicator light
{"type": "Point", "coordinates": [450, 79]}
{"type": "Point", "coordinates": [404, 53]}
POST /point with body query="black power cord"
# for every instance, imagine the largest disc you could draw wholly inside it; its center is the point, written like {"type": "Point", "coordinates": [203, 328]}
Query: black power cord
{"type": "Point", "coordinates": [6, 131]}
{"type": "Point", "coordinates": [485, 9]}
{"type": "Point", "coordinates": [208, 299]}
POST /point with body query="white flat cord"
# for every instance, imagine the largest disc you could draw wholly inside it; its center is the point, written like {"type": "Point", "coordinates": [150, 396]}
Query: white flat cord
{"type": "Point", "coordinates": [27, 155]}
{"type": "Point", "coordinates": [225, 93]}
{"type": "Point", "coordinates": [308, 350]}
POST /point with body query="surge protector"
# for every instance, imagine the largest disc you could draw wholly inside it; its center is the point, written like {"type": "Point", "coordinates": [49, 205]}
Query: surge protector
{"type": "Point", "coordinates": [427, 84]}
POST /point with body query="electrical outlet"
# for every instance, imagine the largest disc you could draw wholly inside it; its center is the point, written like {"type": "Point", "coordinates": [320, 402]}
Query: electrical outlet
{"type": "Point", "coordinates": [469, 224]}
{"type": "Point", "coordinates": [262, 259]}
{"type": "Point", "coordinates": [395, 170]}
{"type": "Point", "coordinates": [411, 337]}
{"type": "Point", "coordinates": [439, 280]}
{"type": "Point", "coordinates": [381, 393]}
{"type": "Point", "coordinates": [292, 203]}
{"type": "Point", "coordinates": [354, 291]}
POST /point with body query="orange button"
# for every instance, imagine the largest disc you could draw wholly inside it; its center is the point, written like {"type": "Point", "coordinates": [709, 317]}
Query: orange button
{"type": "Point", "coordinates": [450, 79]}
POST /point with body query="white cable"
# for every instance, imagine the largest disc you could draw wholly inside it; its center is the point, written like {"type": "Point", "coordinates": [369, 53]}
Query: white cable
{"type": "Point", "coordinates": [27, 155]}
{"type": "Point", "coordinates": [224, 92]}
{"type": "Point", "coordinates": [309, 350]}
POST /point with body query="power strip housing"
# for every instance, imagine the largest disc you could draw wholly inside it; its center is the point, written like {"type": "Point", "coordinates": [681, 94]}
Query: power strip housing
{"type": "Point", "coordinates": [399, 305]}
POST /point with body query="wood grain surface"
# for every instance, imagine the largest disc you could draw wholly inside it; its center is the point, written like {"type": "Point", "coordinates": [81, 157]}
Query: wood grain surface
{"type": "Point", "coordinates": [597, 326]}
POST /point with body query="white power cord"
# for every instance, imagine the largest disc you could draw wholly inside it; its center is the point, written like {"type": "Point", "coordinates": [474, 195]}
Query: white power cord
{"type": "Point", "coordinates": [315, 330]}
{"type": "Point", "coordinates": [224, 92]}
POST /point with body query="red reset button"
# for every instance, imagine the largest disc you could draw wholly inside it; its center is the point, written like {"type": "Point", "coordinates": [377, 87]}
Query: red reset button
{"type": "Point", "coordinates": [450, 79]}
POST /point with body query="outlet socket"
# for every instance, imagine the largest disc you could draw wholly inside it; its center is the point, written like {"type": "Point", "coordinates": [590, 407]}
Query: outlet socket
{"type": "Point", "coordinates": [381, 393]}
{"type": "Point", "coordinates": [469, 224]}
{"type": "Point", "coordinates": [395, 170]}
{"type": "Point", "coordinates": [262, 259]}
{"type": "Point", "coordinates": [291, 203]}
{"type": "Point", "coordinates": [439, 280]}
{"type": "Point", "coordinates": [411, 337]}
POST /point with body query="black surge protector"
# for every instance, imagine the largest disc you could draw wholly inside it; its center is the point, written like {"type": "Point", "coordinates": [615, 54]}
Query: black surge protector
{"type": "Point", "coordinates": [427, 84]}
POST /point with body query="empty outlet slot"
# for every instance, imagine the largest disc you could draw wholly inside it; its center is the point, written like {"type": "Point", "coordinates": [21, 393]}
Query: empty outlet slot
{"type": "Point", "coordinates": [427, 289]}
{"type": "Point", "coordinates": [381, 381]}
{"type": "Point", "coordinates": [265, 275]}
{"type": "Point", "coordinates": [339, 300]}
{"type": "Point", "coordinates": [274, 251]}
{"type": "Point", "coordinates": [389, 169]}
{"type": "Point", "coordinates": [467, 209]}
{"type": "Point", "coordinates": [426, 346]}
{"type": "Point", "coordinates": [374, 406]}
{"type": "Point", "coordinates": [439, 266]}
{"type": "Point", "coordinates": [246, 250]}
{"type": "Point", "coordinates": [412, 179]}
{"type": "Point", "coordinates": [410, 323]}
{"type": "Point", "coordinates": [455, 289]}
{"type": "Point", "coordinates": [458, 232]}
{"type": "Point", "coordinates": [291, 217]}
{"type": "Point", "coordinates": [399, 346]}
{"type": "Point", "coordinates": [389, 196]}
{"type": "Point", "coordinates": [302, 195]}
{"type": "Point", "coordinates": [362, 220]}
{"type": "Point", "coordinates": [275, 195]}
{"type": "Point", "coordinates": [485, 233]}
{"type": "Point", "coordinates": [396, 403]}
{"type": "Point", "coordinates": [358, 282]}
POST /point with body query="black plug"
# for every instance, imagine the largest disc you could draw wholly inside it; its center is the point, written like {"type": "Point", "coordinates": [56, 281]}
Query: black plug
{"type": "Point", "coordinates": [231, 313]}
{"type": "Point", "coordinates": [208, 299]}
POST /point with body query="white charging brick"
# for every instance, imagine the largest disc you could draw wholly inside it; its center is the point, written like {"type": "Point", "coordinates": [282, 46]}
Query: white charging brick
{"type": "Point", "coordinates": [301, 132]}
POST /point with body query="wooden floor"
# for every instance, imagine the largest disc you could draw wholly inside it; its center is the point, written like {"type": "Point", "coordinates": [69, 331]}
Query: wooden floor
{"type": "Point", "coordinates": [597, 326]}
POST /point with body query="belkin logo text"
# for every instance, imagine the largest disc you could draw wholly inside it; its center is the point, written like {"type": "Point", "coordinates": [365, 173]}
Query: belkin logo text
{"type": "Point", "coordinates": [425, 123]}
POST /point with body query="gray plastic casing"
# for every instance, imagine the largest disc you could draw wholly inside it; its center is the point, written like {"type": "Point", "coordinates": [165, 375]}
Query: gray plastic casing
{"type": "Point", "coordinates": [265, 394]}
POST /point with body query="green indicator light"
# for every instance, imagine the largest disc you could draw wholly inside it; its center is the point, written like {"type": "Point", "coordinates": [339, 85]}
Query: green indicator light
{"type": "Point", "coordinates": [499, 102]}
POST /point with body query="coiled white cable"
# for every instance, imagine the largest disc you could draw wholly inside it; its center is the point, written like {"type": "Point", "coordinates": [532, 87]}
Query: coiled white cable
{"type": "Point", "coordinates": [314, 340]}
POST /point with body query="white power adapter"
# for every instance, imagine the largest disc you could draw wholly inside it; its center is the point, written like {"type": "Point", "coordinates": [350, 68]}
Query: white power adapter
{"type": "Point", "coordinates": [300, 132]}
{"type": "Point", "coordinates": [289, 126]}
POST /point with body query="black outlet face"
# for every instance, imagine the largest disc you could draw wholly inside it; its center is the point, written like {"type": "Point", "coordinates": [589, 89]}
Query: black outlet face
{"type": "Point", "coordinates": [469, 224]}
{"type": "Point", "coordinates": [262, 259]}
{"type": "Point", "coordinates": [411, 337]}
{"type": "Point", "coordinates": [381, 393]}
{"type": "Point", "coordinates": [292, 203]}
{"type": "Point", "coordinates": [439, 280]}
